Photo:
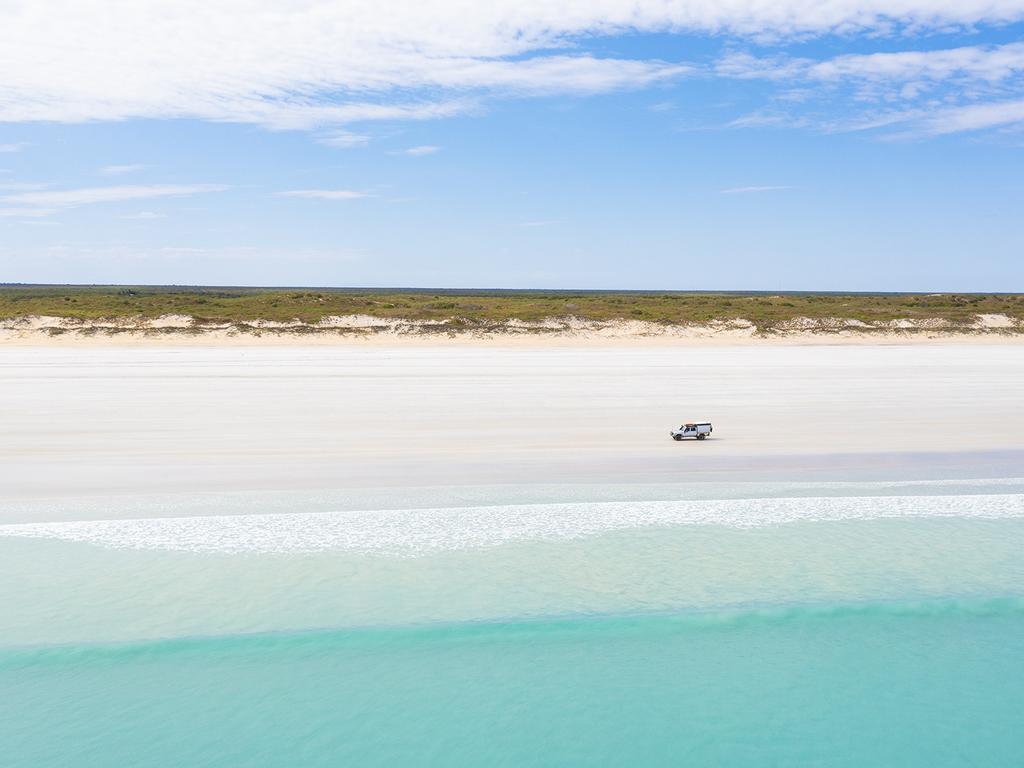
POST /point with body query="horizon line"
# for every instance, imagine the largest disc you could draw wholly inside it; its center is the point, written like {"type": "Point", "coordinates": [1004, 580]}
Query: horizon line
{"type": "Point", "coordinates": [476, 290]}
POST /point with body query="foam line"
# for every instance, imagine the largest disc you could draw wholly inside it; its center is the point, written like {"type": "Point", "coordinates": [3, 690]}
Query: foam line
{"type": "Point", "coordinates": [413, 532]}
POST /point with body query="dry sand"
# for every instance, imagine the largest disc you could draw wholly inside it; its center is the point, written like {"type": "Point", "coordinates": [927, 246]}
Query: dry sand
{"type": "Point", "coordinates": [79, 421]}
{"type": "Point", "coordinates": [182, 330]}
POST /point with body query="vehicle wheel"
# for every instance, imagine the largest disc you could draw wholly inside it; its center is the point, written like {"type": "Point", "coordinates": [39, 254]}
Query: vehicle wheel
{"type": "Point", "coordinates": [677, 438]}
{"type": "Point", "coordinates": [701, 437]}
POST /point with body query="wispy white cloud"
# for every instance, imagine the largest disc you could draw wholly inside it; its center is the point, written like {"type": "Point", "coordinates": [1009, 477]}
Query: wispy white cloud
{"type": "Point", "coordinates": [989, 64]}
{"type": "Point", "coordinates": [748, 190]}
{"type": "Point", "coordinates": [318, 64]}
{"type": "Point", "coordinates": [344, 139]}
{"type": "Point", "coordinates": [21, 186]}
{"type": "Point", "coordinates": [552, 74]}
{"type": "Point", "coordinates": [25, 212]}
{"type": "Point", "coordinates": [119, 170]}
{"type": "Point", "coordinates": [16, 147]}
{"type": "Point", "coordinates": [973, 117]}
{"type": "Point", "coordinates": [920, 92]}
{"type": "Point", "coordinates": [144, 216]}
{"type": "Point", "coordinates": [359, 61]}
{"type": "Point", "coordinates": [326, 194]}
{"type": "Point", "coordinates": [307, 113]}
{"type": "Point", "coordinates": [88, 195]}
{"type": "Point", "coordinates": [425, 149]}
{"type": "Point", "coordinates": [764, 120]}
{"type": "Point", "coordinates": [539, 223]}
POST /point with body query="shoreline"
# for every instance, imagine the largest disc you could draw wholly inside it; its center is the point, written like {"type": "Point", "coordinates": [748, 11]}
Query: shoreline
{"type": "Point", "coordinates": [737, 478]}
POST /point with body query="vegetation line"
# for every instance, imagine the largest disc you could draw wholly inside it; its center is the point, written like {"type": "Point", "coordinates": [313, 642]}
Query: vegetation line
{"type": "Point", "coordinates": [486, 309]}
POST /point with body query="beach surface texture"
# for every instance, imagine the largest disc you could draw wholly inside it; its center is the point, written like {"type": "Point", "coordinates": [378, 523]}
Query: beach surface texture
{"type": "Point", "coordinates": [494, 554]}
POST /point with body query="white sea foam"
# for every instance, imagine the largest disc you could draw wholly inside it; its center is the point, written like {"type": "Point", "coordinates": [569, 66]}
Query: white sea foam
{"type": "Point", "coordinates": [223, 503]}
{"type": "Point", "coordinates": [412, 532]}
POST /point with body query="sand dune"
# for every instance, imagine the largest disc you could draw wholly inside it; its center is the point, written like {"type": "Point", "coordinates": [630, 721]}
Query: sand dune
{"type": "Point", "coordinates": [364, 329]}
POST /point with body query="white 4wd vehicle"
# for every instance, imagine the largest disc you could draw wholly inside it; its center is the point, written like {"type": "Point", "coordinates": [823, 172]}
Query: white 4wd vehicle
{"type": "Point", "coordinates": [699, 430]}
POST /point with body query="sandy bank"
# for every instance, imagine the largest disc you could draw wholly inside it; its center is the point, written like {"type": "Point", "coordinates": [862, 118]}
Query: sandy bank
{"type": "Point", "coordinates": [180, 330]}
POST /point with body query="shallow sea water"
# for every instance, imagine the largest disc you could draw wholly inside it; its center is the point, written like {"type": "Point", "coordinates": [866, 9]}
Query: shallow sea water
{"type": "Point", "coordinates": [845, 625]}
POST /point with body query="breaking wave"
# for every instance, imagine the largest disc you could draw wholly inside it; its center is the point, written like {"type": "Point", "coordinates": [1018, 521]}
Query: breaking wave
{"type": "Point", "coordinates": [415, 532]}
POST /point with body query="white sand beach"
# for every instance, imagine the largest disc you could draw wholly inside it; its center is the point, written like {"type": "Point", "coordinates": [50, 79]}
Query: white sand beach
{"type": "Point", "coordinates": [83, 421]}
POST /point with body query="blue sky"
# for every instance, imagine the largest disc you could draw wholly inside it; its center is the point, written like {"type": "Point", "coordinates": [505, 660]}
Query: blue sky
{"type": "Point", "coordinates": [600, 144]}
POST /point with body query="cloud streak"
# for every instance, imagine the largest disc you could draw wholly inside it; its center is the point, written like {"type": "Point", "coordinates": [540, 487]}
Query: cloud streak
{"type": "Point", "coordinates": [344, 139]}
{"type": "Point", "coordinates": [974, 117]}
{"type": "Point", "coordinates": [920, 92]}
{"type": "Point", "coordinates": [89, 195]}
{"type": "Point", "coordinates": [426, 149]}
{"type": "Point", "coordinates": [37, 204]}
{"type": "Point", "coordinates": [988, 64]}
{"type": "Point", "coordinates": [23, 212]}
{"type": "Point", "coordinates": [326, 194]}
{"type": "Point", "coordinates": [317, 64]}
{"type": "Point", "coordinates": [120, 170]}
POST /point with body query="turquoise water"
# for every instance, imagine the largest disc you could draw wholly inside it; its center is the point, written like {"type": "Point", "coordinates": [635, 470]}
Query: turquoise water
{"type": "Point", "coordinates": [824, 631]}
{"type": "Point", "coordinates": [912, 685]}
